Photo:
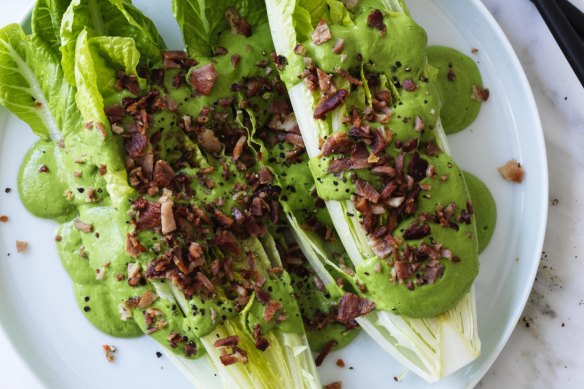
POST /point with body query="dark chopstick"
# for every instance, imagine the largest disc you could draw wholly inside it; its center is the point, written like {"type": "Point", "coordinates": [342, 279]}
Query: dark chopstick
{"type": "Point", "coordinates": [574, 16]}
{"type": "Point", "coordinates": [565, 33]}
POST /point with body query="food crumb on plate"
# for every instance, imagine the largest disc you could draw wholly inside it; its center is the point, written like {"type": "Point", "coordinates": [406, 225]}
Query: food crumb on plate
{"type": "Point", "coordinates": [109, 352]}
{"type": "Point", "coordinates": [4, 219]}
{"type": "Point", "coordinates": [21, 246]}
{"type": "Point", "coordinates": [334, 385]}
{"type": "Point", "coordinates": [340, 363]}
{"type": "Point", "coordinates": [512, 171]}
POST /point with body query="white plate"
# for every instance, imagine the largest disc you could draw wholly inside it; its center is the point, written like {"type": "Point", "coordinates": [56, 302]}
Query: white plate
{"type": "Point", "coordinates": [40, 316]}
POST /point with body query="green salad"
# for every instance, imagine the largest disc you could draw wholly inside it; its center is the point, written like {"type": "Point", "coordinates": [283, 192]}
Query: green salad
{"type": "Point", "coordinates": [264, 194]}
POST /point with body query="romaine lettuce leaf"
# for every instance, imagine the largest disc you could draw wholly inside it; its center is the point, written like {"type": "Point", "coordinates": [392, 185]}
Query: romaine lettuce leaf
{"type": "Point", "coordinates": [107, 18]}
{"type": "Point", "coordinates": [202, 20]}
{"type": "Point", "coordinates": [46, 20]}
{"type": "Point", "coordinates": [32, 86]}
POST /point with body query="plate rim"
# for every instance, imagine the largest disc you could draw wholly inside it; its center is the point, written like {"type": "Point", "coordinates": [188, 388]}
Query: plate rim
{"type": "Point", "coordinates": [542, 210]}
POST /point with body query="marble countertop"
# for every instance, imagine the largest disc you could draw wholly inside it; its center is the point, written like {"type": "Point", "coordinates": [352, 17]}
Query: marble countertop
{"type": "Point", "coordinates": [544, 350]}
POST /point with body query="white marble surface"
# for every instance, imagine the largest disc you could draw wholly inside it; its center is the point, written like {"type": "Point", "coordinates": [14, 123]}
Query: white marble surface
{"type": "Point", "coordinates": [545, 349]}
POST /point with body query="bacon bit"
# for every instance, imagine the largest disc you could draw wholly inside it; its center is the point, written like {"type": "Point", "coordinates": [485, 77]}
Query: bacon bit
{"type": "Point", "coordinates": [147, 299]}
{"type": "Point", "coordinates": [125, 311]}
{"type": "Point", "coordinates": [479, 94]}
{"type": "Point", "coordinates": [134, 274]}
{"type": "Point", "coordinates": [209, 142]}
{"type": "Point", "coordinates": [200, 277]}
{"type": "Point", "coordinates": [352, 306]}
{"type": "Point", "coordinates": [43, 169]}
{"type": "Point", "coordinates": [334, 385]}
{"type": "Point", "coordinates": [271, 309]}
{"type": "Point", "coordinates": [279, 61]}
{"type": "Point", "coordinates": [4, 219]}
{"type": "Point", "coordinates": [417, 231]}
{"type": "Point", "coordinates": [321, 33]}
{"type": "Point", "coordinates": [152, 321]}
{"type": "Point", "coordinates": [328, 347]}
{"type": "Point", "coordinates": [324, 80]}
{"type": "Point", "coordinates": [195, 251]}
{"type": "Point", "coordinates": [238, 24]}
{"type": "Point", "coordinates": [339, 46]}
{"type": "Point", "coordinates": [340, 363]}
{"type": "Point", "coordinates": [265, 176]}
{"type": "Point", "coordinates": [238, 356]}
{"type": "Point", "coordinates": [203, 79]}
{"type": "Point", "coordinates": [337, 143]}
{"type": "Point", "coordinates": [109, 350]}
{"type": "Point", "coordinates": [419, 124]}
{"type": "Point", "coordinates": [223, 219]}
{"type": "Point", "coordinates": [133, 247]}
{"type": "Point", "coordinates": [163, 174]}
{"type": "Point", "coordinates": [347, 76]}
{"type": "Point", "coordinates": [300, 49]}
{"type": "Point", "coordinates": [366, 190]}
{"type": "Point", "coordinates": [238, 149]}
{"type": "Point", "coordinates": [136, 144]}
{"type": "Point", "coordinates": [167, 221]}
{"type": "Point", "coordinates": [101, 130]}
{"type": "Point", "coordinates": [21, 246]}
{"type": "Point", "coordinates": [149, 216]}
{"type": "Point", "coordinates": [115, 113]}
{"type": "Point", "coordinates": [512, 171]}
{"type": "Point", "coordinates": [83, 227]}
{"type": "Point", "coordinates": [230, 341]}
{"type": "Point", "coordinates": [432, 273]}
{"type": "Point", "coordinates": [375, 20]}
{"type": "Point", "coordinates": [329, 103]}
{"type": "Point", "coordinates": [174, 59]}
{"type": "Point", "coordinates": [409, 85]}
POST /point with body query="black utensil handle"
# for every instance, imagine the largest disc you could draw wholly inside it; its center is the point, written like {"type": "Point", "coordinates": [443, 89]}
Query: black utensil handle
{"type": "Point", "coordinates": [574, 16]}
{"type": "Point", "coordinates": [566, 36]}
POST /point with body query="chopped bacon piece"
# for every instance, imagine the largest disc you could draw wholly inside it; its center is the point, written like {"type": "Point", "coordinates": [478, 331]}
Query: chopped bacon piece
{"type": "Point", "coordinates": [329, 103]}
{"type": "Point", "coordinates": [322, 33]}
{"type": "Point", "coordinates": [115, 113]}
{"type": "Point", "coordinates": [203, 79]}
{"type": "Point", "coordinates": [337, 143]}
{"type": "Point", "coordinates": [480, 94]}
{"type": "Point", "coordinates": [324, 80]}
{"type": "Point", "coordinates": [347, 76]}
{"type": "Point", "coordinates": [149, 216]}
{"type": "Point", "coordinates": [230, 341]}
{"type": "Point", "coordinates": [238, 24]}
{"type": "Point", "coordinates": [21, 246]}
{"type": "Point", "coordinates": [417, 167]}
{"type": "Point", "coordinates": [352, 306]}
{"type": "Point", "coordinates": [147, 299]}
{"type": "Point", "coordinates": [133, 247]}
{"type": "Point", "coordinates": [403, 270]}
{"type": "Point", "coordinates": [136, 144]}
{"type": "Point", "coordinates": [417, 231]}
{"type": "Point", "coordinates": [279, 61]}
{"type": "Point", "coordinates": [265, 176]}
{"type": "Point", "coordinates": [238, 356]}
{"type": "Point", "coordinates": [271, 309]}
{"type": "Point", "coordinates": [205, 281]}
{"type": "Point", "coordinates": [82, 226]}
{"type": "Point", "coordinates": [512, 171]}
{"type": "Point", "coordinates": [163, 174]}
{"type": "Point", "coordinates": [167, 221]}
{"type": "Point", "coordinates": [334, 385]}
{"type": "Point", "coordinates": [223, 219]}
{"type": "Point", "coordinates": [366, 190]}
{"type": "Point", "coordinates": [375, 20]}
{"type": "Point", "coordinates": [339, 46]}
{"type": "Point", "coordinates": [238, 149]}
{"type": "Point", "coordinates": [327, 348]}
{"type": "Point", "coordinates": [409, 85]}
{"type": "Point", "coordinates": [209, 142]}
{"type": "Point", "coordinates": [432, 273]}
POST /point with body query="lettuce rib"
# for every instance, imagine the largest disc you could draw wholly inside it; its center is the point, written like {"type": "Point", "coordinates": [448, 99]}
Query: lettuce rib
{"type": "Point", "coordinates": [430, 347]}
